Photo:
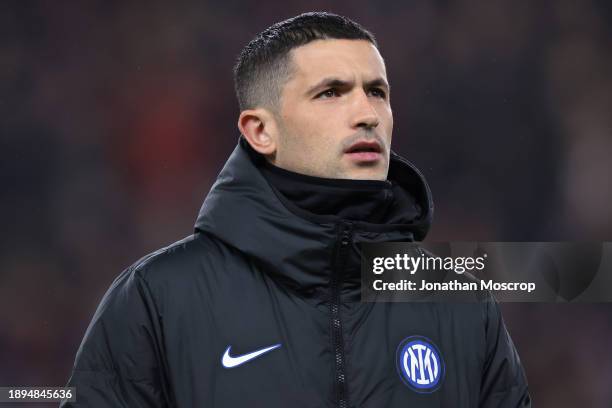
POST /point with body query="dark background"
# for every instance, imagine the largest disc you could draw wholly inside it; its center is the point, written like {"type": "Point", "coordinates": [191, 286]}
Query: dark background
{"type": "Point", "coordinates": [116, 117]}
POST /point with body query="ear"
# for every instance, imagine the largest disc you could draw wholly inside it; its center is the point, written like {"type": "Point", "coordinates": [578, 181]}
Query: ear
{"type": "Point", "coordinates": [259, 129]}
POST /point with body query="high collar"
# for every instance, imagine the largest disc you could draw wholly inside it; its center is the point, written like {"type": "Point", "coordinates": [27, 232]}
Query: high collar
{"type": "Point", "coordinates": [295, 244]}
{"type": "Point", "coordinates": [356, 200]}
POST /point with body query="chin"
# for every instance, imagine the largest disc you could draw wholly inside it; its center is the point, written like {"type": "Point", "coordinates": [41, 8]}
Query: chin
{"type": "Point", "coordinates": [366, 174]}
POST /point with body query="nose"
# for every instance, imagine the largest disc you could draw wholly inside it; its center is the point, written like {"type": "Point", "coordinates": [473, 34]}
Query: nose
{"type": "Point", "coordinates": [364, 114]}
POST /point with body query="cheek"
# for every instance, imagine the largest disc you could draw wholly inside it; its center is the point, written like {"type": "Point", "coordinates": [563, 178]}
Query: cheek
{"type": "Point", "coordinates": [298, 135]}
{"type": "Point", "coordinates": [386, 118]}
{"type": "Point", "coordinates": [315, 126]}
{"type": "Point", "coordinates": [319, 128]}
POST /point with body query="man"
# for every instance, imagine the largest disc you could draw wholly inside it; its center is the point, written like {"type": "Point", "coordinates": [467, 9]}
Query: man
{"type": "Point", "coordinates": [260, 307]}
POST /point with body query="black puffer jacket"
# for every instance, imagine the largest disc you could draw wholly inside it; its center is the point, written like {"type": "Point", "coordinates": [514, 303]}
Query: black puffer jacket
{"type": "Point", "coordinates": [260, 308]}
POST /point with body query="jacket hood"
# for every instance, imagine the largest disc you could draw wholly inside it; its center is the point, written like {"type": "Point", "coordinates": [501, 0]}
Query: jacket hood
{"type": "Point", "coordinates": [296, 247]}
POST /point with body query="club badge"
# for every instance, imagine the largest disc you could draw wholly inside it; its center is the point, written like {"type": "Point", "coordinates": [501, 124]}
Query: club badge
{"type": "Point", "coordinates": [420, 364]}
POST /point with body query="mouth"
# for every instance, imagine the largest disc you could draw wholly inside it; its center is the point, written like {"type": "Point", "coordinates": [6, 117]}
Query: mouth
{"type": "Point", "coordinates": [365, 151]}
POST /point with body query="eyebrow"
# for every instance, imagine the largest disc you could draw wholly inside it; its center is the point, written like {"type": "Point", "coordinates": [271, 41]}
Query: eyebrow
{"type": "Point", "coordinates": [333, 82]}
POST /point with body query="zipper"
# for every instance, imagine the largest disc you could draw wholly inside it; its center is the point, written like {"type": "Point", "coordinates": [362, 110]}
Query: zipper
{"type": "Point", "coordinates": [345, 235]}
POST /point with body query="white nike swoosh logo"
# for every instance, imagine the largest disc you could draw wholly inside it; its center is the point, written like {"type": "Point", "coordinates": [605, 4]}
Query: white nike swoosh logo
{"type": "Point", "coordinates": [230, 362]}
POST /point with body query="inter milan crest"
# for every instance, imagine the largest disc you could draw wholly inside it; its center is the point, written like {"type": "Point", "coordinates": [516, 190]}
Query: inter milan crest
{"type": "Point", "coordinates": [420, 364]}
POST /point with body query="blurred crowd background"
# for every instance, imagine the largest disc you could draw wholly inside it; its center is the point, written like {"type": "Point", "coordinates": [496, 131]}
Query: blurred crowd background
{"type": "Point", "coordinates": [116, 117]}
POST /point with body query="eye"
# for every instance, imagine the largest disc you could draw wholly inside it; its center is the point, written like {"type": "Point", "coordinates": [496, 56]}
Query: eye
{"type": "Point", "coordinates": [379, 93]}
{"type": "Point", "coordinates": [328, 93]}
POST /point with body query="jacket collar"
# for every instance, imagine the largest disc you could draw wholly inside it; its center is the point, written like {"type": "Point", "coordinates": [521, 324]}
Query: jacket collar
{"type": "Point", "coordinates": [296, 246]}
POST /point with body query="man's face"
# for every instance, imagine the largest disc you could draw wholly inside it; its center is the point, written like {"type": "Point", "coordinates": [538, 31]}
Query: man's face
{"type": "Point", "coordinates": [335, 115]}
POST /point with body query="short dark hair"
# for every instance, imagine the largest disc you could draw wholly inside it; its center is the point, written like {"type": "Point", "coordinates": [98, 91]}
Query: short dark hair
{"type": "Point", "coordinates": [264, 64]}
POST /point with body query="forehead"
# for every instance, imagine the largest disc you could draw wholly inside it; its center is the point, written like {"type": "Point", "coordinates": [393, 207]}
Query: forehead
{"type": "Point", "coordinates": [345, 59]}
